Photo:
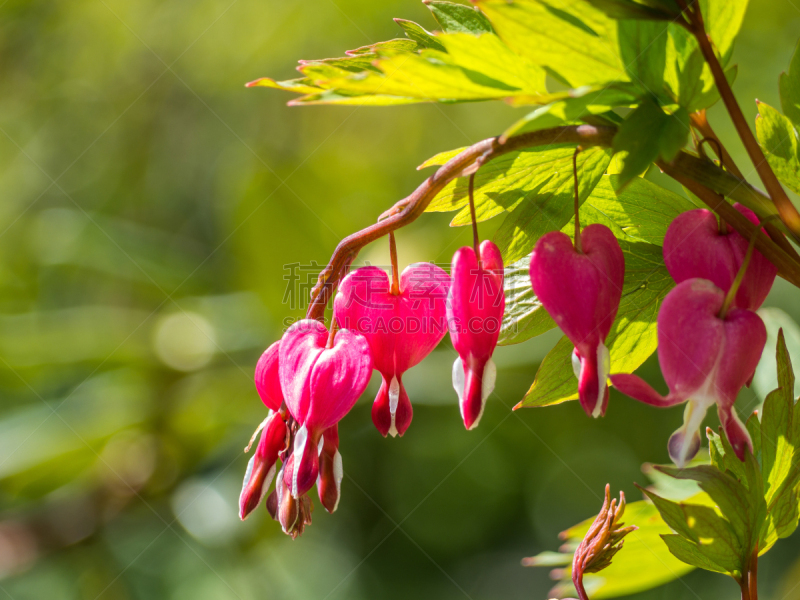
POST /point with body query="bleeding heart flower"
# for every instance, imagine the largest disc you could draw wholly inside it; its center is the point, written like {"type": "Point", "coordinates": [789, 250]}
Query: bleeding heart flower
{"type": "Point", "coordinates": [705, 359]}
{"type": "Point", "coordinates": [581, 291]}
{"type": "Point", "coordinates": [694, 247]}
{"type": "Point", "coordinates": [320, 385]}
{"type": "Point", "coordinates": [261, 468]}
{"type": "Point", "coordinates": [401, 329]}
{"type": "Point", "coordinates": [268, 382]}
{"type": "Point", "coordinates": [475, 308]}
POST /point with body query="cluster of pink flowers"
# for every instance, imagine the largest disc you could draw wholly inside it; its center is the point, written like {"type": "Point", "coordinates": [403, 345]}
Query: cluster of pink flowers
{"type": "Point", "coordinates": [312, 377]}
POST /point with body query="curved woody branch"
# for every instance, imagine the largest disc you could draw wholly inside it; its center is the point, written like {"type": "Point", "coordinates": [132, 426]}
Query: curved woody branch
{"type": "Point", "coordinates": [701, 177]}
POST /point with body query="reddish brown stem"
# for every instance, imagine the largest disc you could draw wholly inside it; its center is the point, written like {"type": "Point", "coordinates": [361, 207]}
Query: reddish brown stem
{"type": "Point", "coordinates": [786, 209]}
{"type": "Point", "coordinates": [693, 172]}
{"type": "Point", "coordinates": [395, 289]}
{"type": "Point", "coordinates": [476, 240]}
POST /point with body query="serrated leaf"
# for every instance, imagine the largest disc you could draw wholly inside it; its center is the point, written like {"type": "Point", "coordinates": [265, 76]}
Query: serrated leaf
{"type": "Point", "coordinates": [687, 74]}
{"type": "Point", "coordinates": [419, 34]}
{"type": "Point", "coordinates": [524, 317]}
{"type": "Point", "coordinates": [722, 455]}
{"type": "Point", "coordinates": [549, 203]}
{"type": "Point", "coordinates": [778, 139]}
{"type": "Point", "coordinates": [387, 48]}
{"type": "Point", "coordinates": [458, 18]}
{"type": "Point", "coordinates": [578, 43]}
{"type": "Point", "coordinates": [642, 564]}
{"type": "Point", "coordinates": [633, 335]}
{"type": "Point", "coordinates": [789, 84]}
{"type": "Point", "coordinates": [648, 134]}
{"type": "Point", "coordinates": [437, 160]}
{"type": "Point", "coordinates": [689, 553]}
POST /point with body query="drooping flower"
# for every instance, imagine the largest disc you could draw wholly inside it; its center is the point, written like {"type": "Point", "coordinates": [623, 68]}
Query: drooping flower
{"type": "Point", "coordinates": [329, 480]}
{"type": "Point", "coordinates": [475, 306]}
{"type": "Point", "coordinates": [401, 329]}
{"type": "Point", "coordinates": [320, 385]}
{"type": "Point", "coordinates": [581, 290]}
{"type": "Point", "coordinates": [694, 247]}
{"type": "Point", "coordinates": [705, 359]}
{"type": "Point", "coordinates": [261, 468]}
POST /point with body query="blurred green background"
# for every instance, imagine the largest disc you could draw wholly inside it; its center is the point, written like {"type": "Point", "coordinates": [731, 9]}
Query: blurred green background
{"type": "Point", "coordinates": [149, 206]}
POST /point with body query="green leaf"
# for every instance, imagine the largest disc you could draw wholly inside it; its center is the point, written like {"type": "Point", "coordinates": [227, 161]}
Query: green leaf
{"type": "Point", "coordinates": [723, 19]}
{"type": "Point", "coordinates": [578, 45]}
{"type": "Point", "coordinates": [789, 84]}
{"type": "Point", "coordinates": [524, 317]}
{"type": "Point", "coordinates": [648, 134]}
{"type": "Point", "coordinates": [548, 203]}
{"type": "Point", "coordinates": [419, 34]}
{"type": "Point", "coordinates": [642, 564]}
{"type": "Point", "coordinates": [438, 160]}
{"type": "Point", "coordinates": [722, 455]}
{"type": "Point", "coordinates": [780, 453]}
{"type": "Point", "coordinates": [633, 335]}
{"type": "Point", "coordinates": [778, 139]}
{"type": "Point", "coordinates": [688, 552]}
{"type": "Point", "coordinates": [687, 74]}
{"type": "Point", "coordinates": [643, 47]}
{"type": "Point", "coordinates": [458, 18]}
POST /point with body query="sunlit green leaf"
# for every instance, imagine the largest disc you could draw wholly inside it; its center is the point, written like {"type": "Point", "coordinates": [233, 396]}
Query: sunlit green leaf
{"type": "Point", "coordinates": [765, 380]}
{"type": "Point", "coordinates": [419, 34]}
{"type": "Point", "coordinates": [458, 18]}
{"type": "Point", "coordinates": [577, 42]}
{"type": "Point", "coordinates": [643, 47]}
{"type": "Point", "coordinates": [723, 19]}
{"type": "Point", "coordinates": [629, 9]}
{"type": "Point", "coordinates": [778, 139]}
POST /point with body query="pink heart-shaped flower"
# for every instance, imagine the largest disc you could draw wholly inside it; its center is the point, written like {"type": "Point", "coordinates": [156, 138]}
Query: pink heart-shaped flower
{"type": "Point", "coordinates": [475, 307]}
{"type": "Point", "coordinates": [401, 329]}
{"type": "Point", "coordinates": [581, 291]}
{"type": "Point", "coordinates": [694, 247]}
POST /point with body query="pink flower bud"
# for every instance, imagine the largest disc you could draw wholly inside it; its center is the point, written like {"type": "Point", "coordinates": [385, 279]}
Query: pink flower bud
{"type": "Point", "coordinates": [475, 308]}
{"type": "Point", "coordinates": [261, 468]}
{"type": "Point", "coordinates": [694, 247]}
{"type": "Point", "coordinates": [401, 329]}
{"type": "Point", "coordinates": [329, 481]}
{"type": "Point", "coordinates": [581, 291]}
{"type": "Point", "coordinates": [705, 360]}
{"type": "Point", "coordinates": [320, 386]}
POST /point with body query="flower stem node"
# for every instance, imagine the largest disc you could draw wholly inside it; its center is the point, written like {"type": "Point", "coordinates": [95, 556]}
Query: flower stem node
{"type": "Point", "coordinates": [705, 359]}
{"type": "Point", "coordinates": [475, 307]}
{"type": "Point", "coordinates": [581, 290]}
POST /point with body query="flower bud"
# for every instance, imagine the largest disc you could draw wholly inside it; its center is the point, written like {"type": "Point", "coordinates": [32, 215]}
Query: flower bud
{"type": "Point", "coordinates": [329, 482]}
{"type": "Point", "coordinates": [261, 467]}
{"type": "Point", "coordinates": [581, 290]}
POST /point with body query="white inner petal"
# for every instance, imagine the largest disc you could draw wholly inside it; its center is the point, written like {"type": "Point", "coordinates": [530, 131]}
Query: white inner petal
{"type": "Point", "coordinates": [487, 387]}
{"type": "Point", "coordinates": [394, 400]}
{"type": "Point", "coordinates": [299, 445]}
{"type": "Point", "coordinates": [338, 474]}
{"type": "Point", "coordinates": [576, 364]}
{"type": "Point", "coordinates": [458, 378]}
{"type": "Point", "coordinates": [247, 475]}
{"type": "Point", "coordinates": [603, 369]}
{"type": "Point", "coordinates": [320, 445]}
